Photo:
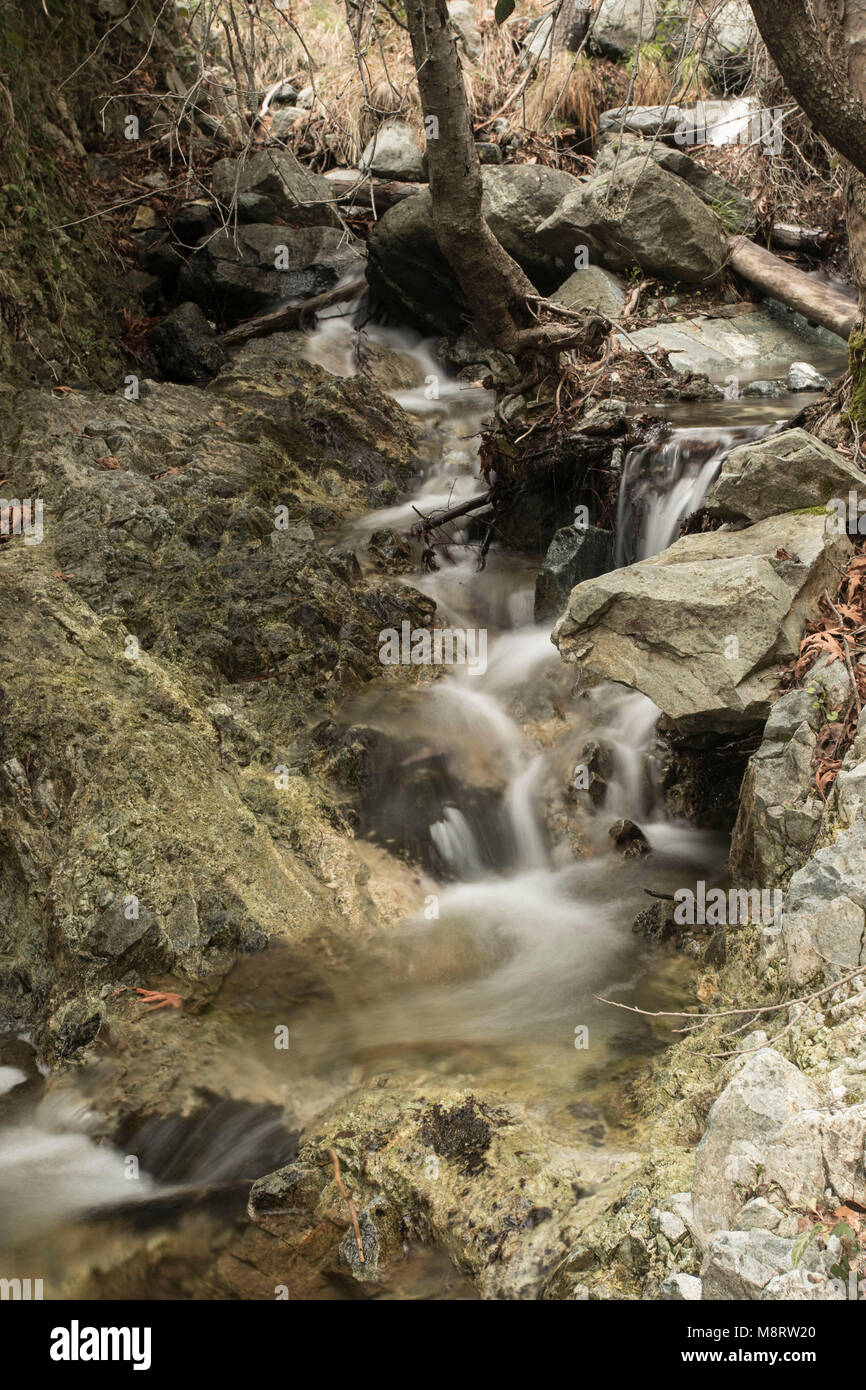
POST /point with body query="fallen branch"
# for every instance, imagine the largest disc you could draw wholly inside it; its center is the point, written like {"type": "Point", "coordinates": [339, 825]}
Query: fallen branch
{"type": "Point", "coordinates": [792, 238]}
{"type": "Point", "coordinates": [356, 186]}
{"type": "Point", "coordinates": [288, 315]}
{"type": "Point", "coordinates": [347, 1198]}
{"type": "Point", "coordinates": [437, 519]}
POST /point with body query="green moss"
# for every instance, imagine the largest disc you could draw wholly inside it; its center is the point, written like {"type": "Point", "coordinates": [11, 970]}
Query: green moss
{"type": "Point", "coordinates": [857, 362]}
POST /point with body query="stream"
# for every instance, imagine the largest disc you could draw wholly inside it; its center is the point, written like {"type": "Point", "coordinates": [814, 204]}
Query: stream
{"type": "Point", "coordinates": [526, 908]}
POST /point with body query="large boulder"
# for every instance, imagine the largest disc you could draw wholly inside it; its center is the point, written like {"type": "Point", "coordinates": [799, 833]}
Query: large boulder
{"type": "Point", "coordinates": [621, 25]}
{"type": "Point", "coordinates": [747, 1118]}
{"type": "Point", "coordinates": [573, 555]}
{"type": "Point", "coordinates": [824, 916]}
{"type": "Point", "coordinates": [704, 628]}
{"type": "Point", "coordinates": [782, 473]}
{"type": "Point", "coordinates": [274, 186]}
{"type": "Point", "coordinates": [409, 276]}
{"type": "Point", "coordinates": [233, 277]}
{"type": "Point", "coordinates": [731, 36]}
{"type": "Point", "coordinates": [734, 208]}
{"type": "Point", "coordinates": [748, 340]}
{"type": "Point", "coordinates": [394, 153]}
{"type": "Point", "coordinates": [639, 215]}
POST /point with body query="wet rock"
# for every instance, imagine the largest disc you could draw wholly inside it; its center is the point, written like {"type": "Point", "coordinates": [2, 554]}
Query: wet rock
{"type": "Point", "coordinates": [663, 626]}
{"type": "Point", "coordinates": [592, 290]}
{"type": "Point", "coordinates": [267, 264]}
{"type": "Point", "coordinates": [747, 1118]}
{"type": "Point", "coordinates": [628, 837]}
{"type": "Point", "coordinates": [639, 215]}
{"type": "Point", "coordinates": [769, 390]}
{"type": "Point", "coordinates": [294, 194]}
{"type": "Point", "coordinates": [724, 345]}
{"type": "Point", "coordinates": [390, 551]}
{"type": "Point", "coordinates": [185, 346]}
{"type": "Point", "coordinates": [803, 377]}
{"type": "Point", "coordinates": [394, 153]}
{"type": "Point", "coordinates": [124, 925]}
{"type": "Point", "coordinates": [572, 556]}
{"type": "Point", "coordinates": [783, 473]}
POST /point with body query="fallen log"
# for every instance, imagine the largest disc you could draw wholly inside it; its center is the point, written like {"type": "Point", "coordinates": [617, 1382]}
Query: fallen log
{"type": "Point", "coordinates": [790, 237]}
{"type": "Point", "coordinates": [353, 185]}
{"type": "Point", "coordinates": [817, 302]}
{"type": "Point", "coordinates": [289, 315]}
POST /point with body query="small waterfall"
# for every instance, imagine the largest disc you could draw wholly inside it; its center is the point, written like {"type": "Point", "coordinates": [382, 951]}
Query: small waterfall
{"type": "Point", "coordinates": [662, 484]}
{"type": "Point", "coordinates": [520, 807]}
{"type": "Point", "coordinates": [455, 842]}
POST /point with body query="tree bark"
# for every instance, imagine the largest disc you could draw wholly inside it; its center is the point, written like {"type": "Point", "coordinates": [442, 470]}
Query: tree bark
{"type": "Point", "coordinates": [494, 285]}
{"type": "Point", "coordinates": [819, 47]}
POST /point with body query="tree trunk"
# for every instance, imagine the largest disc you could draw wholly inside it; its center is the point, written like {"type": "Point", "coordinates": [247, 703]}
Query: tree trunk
{"type": "Point", "coordinates": [494, 285]}
{"type": "Point", "coordinates": [819, 47]}
{"type": "Point", "coordinates": [820, 303]}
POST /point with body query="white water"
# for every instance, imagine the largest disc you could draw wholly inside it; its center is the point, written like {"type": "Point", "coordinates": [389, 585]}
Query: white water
{"type": "Point", "coordinates": [526, 929]}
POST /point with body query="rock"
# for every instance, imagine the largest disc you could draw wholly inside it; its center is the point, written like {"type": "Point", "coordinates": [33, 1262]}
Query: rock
{"type": "Point", "coordinates": [294, 195]}
{"type": "Point", "coordinates": [820, 1155]}
{"type": "Point", "coordinates": [394, 153]}
{"type": "Point", "coordinates": [741, 1264]}
{"type": "Point", "coordinates": [732, 32]}
{"type": "Point", "coordinates": [234, 281]}
{"type": "Point", "coordinates": [622, 25]}
{"type": "Point", "coordinates": [121, 928]}
{"type": "Point", "coordinates": [628, 837]}
{"type": "Point", "coordinates": [639, 120]}
{"type": "Point", "coordinates": [724, 345]}
{"type": "Point", "coordinates": [282, 122]}
{"type": "Point", "coordinates": [410, 278]}
{"type": "Point", "coordinates": [671, 1226]}
{"type": "Point", "coordinates": [781, 473]}
{"type": "Point", "coordinates": [592, 290]}
{"type": "Point", "coordinates": [805, 1285]}
{"type": "Point", "coordinates": [748, 1116]}
{"type": "Point", "coordinates": [194, 220]}
{"type": "Point", "coordinates": [757, 1215]}
{"type": "Point", "coordinates": [680, 1288]}
{"type": "Point", "coordinates": [769, 390]}
{"type": "Point", "coordinates": [572, 556]}
{"type": "Point", "coordinates": [803, 377]}
{"type": "Point", "coordinates": [664, 626]}
{"type": "Point", "coordinates": [463, 16]}
{"type": "Point", "coordinates": [824, 916]}
{"type": "Point", "coordinates": [641, 215]}
{"type": "Point", "coordinates": [735, 210]}
{"type": "Point", "coordinates": [185, 346]}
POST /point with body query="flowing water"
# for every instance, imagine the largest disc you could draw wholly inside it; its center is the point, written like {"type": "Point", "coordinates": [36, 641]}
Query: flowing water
{"type": "Point", "coordinates": [525, 909]}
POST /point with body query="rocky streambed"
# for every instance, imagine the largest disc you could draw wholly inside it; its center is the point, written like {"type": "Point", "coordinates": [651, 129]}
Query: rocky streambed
{"type": "Point", "coordinates": [285, 911]}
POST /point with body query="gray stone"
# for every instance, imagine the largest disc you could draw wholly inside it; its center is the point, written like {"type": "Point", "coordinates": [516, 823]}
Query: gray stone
{"type": "Point", "coordinates": [573, 556]}
{"type": "Point", "coordinates": [770, 390]}
{"type": "Point", "coordinates": [803, 377]}
{"type": "Point", "coordinates": [820, 1155]}
{"type": "Point", "coordinates": [735, 209]}
{"type": "Point", "coordinates": [185, 346]}
{"type": "Point", "coordinates": [741, 1264]}
{"type": "Point", "coordinates": [748, 1116]}
{"type": "Point", "coordinates": [804, 1286]}
{"type": "Point", "coordinates": [824, 917]}
{"type": "Point", "coordinates": [757, 1215]}
{"type": "Point", "coordinates": [621, 25]}
{"type": "Point", "coordinates": [663, 626]}
{"type": "Point", "coordinates": [409, 276]}
{"type": "Point", "coordinates": [639, 215]}
{"type": "Point", "coordinates": [463, 16]}
{"type": "Point", "coordinates": [115, 934]}
{"type": "Point", "coordinates": [592, 290]}
{"type": "Point", "coordinates": [296, 196]}
{"type": "Point", "coordinates": [731, 33]}
{"type": "Point", "coordinates": [394, 153]}
{"type": "Point", "coordinates": [781, 473]}
{"type": "Point", "coordinates": [680, 1288]}
{"type": "Point", "coordinates": [232, 279]}
{"type": "Point", "coordinates": [639, 120]}
{"type": "Point", "coordinates": [724, 345]}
